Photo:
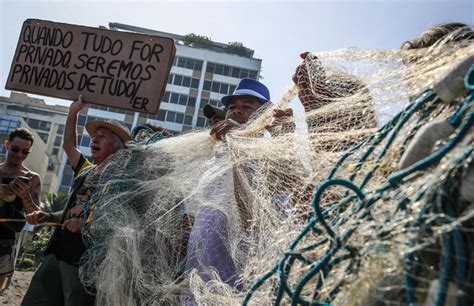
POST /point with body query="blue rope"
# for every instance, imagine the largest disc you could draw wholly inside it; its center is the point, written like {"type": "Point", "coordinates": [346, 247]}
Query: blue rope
{"type": "Point", "coordinates": [426, 103]}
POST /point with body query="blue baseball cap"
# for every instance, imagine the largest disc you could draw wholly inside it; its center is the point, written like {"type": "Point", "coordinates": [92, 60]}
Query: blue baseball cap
{"type": "Point", "coordinates": [249, 87]}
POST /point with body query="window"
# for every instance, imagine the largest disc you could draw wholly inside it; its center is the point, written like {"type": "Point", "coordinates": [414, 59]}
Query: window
{"type": "Point", "coordinates": [198, 65]}
{"type": "Point", "coordinates": [179, 118]}
{"type": "Point", "coordinates": [244, 74]}
{"type": "Point", "coordinates": [166, 97]}
{"type": "Point", "coordinates": [170, 116]}
{"type": "Point", "coordinates": [218, 69]}
{"type": "Point", "coordinates": [174, 98]}
{"type": "Point", "coordinates": [85, 141]}
{"type": "Point", "coordinates": [210, 67]}
{"type": "Point", "coordinates": [192, 101]}
{"type": "Point", "coordinates": [186, 82]}
{"type": "Point", "coordinates": [189, 64]}
{"type": "Point", "coordinates": [181, 62]}
{"type": "Point", "coordinates": [231, 71]}
{"type": "Point", "coordinates": [224, 89]}
{"type": "Point", "coordinates": [226, 70]}
{"type": "Point", "coordinates": [44, 137]}
{"type": "Point", "coordinates": [215, 86]}
{"type": "Point", "coordinates": [207, 85]}
{"type": "Point", "coordinates": [235, 72]}
{"type": "Point", "coordinates": [183, 100]}
{"type": "Point", "coordinates": [8, 123]}
{"type": "Point", "coordinates": [195, 83]}
{"type": "Point", "coordinates": [203, 102]}
{"type": "Point", "coordinates": [55, 151]}
{"type": "Point", "coordinates": [57, 141]}
{"type": "Point", "coordinates": [39, 124]}
{"type": "Point", "coordinates": [178, 79]}
{"type": "Point", "coordinates": [170, 79]}
{"type": "Point", "coordinates": [161, 115]}
{"type": "Point", "coordinates": [60, 129]}
{"type": "Point", "coordinates": [188, 120]}
{"type": "Point", "coordinates": [201, 122]}
{"type": "Point", "coordinates": [81, 120]}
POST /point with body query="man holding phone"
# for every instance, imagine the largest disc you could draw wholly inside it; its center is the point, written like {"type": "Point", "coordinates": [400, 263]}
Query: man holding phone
{"type": "Point", "coordinates": [19, 193]}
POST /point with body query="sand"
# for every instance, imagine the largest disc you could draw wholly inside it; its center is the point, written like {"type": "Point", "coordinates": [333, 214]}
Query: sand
{"type": "Point", "coordinates": [14, 294]}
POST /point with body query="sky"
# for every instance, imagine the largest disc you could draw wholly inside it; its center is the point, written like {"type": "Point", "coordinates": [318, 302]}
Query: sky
{"type": "Point", "coordinates": [278, 31]}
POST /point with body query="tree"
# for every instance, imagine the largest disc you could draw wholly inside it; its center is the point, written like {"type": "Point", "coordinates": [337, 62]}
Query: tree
{"type": "Point", "coordinates": [199, 40]}
{"type": "Point", "coordinates": [54, 202]}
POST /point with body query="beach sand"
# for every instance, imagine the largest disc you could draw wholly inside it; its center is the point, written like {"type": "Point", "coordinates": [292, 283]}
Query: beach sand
{"type": "Point", "coordinates": [18, 286]}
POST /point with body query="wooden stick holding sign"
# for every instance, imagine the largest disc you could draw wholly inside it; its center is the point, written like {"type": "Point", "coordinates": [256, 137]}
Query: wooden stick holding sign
{"type": "Point", "coordinates": [118, 69]}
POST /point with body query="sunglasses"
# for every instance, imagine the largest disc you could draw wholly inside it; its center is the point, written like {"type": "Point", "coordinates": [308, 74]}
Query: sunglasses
{"type": "Point", "coordinates": [17, 150]}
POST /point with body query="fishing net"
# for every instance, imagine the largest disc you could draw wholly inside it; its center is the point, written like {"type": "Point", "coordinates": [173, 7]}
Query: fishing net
{"type": "Point", "coordinates": [319, 211]}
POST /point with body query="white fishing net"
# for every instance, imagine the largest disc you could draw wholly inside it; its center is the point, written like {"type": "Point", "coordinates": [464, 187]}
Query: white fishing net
{"type": "Point", "coordinates": [365, 240]}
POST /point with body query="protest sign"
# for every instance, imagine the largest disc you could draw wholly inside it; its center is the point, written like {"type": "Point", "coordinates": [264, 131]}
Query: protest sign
{"type": "Point", "coordinates": [113, 68]}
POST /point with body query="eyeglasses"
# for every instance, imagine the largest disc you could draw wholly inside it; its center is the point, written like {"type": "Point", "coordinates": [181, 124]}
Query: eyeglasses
{"type": "Point", "coordinates": [17, 150]}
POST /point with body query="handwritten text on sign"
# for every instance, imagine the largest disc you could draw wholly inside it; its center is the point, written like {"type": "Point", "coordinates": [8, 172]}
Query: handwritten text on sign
{"type": "Point", "coordinates": [118, 69]}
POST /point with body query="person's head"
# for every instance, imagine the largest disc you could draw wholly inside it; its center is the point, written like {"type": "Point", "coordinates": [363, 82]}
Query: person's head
{"type": "Point", "coordinates": [318, 86]}
{"type": "Point", "coordinates": [18, 146]}
{"type": "Point", "coordinates": [247, 98]}
{"type": "Point", "coordinates": [454, 31]}
{"type": "Point", "coordinates": [415, 57]}
{"type": "Point", "coordinates": [214, 114]}
{"type": "Point", "coordinates": [107, 137]}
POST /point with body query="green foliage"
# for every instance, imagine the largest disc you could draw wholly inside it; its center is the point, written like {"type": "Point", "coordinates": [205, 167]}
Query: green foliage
{"type": "Point", "coordinates": [199, 40]}
{"type": "Point", "coordinates": [238, 48]}
{"type": "Point", "coordinates": [37, 246]}
{"type": "Point", "coordinates": [25, 264]}
{"type": "Point", "coordinates": [54, 202]}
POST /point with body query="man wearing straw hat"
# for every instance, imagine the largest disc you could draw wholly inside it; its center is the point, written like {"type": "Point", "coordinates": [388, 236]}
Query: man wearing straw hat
{"type": "Point", "coordinates": [19, 191]}
{"type": "Point", "coordinates": [56, 282]}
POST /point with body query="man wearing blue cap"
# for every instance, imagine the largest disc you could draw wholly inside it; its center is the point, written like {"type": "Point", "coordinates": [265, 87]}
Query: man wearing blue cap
{"type": "Point", "coordinates": [207, 244]}
{"type": "Point", "coordinates": [247, 98]}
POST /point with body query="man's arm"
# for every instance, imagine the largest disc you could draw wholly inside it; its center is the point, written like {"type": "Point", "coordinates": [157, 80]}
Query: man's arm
{"type": "Point", "coordinates": [39, 216]}
{"type": "Point", "coordinates": [70, 134]}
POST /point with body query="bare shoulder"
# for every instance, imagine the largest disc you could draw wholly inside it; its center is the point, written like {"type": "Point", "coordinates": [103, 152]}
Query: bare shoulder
{"type": "Point", "coordinates": [34, 176]}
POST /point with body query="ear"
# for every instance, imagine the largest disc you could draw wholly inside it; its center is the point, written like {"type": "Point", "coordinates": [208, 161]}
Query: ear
{"type": "Point", "coordinates": [7, 144]}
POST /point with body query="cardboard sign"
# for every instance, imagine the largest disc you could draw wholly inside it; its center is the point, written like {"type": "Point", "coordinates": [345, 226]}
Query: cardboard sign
{"type": "Point", "coordinates": [117, 69]}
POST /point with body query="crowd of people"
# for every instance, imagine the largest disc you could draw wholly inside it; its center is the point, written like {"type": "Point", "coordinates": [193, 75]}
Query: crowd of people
{"type": "Point", "coordinates": [56, 281]}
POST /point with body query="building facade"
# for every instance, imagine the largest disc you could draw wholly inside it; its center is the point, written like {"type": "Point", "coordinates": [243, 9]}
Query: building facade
{"type": "Point", "coordinates": [47, 124]}
{"type": "Point", "coordinates": [200, 74]}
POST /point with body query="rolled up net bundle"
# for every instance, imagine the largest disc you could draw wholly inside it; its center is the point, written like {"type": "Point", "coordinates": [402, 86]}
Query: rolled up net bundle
{"type": "Point", "coordinates": [318, 212]}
